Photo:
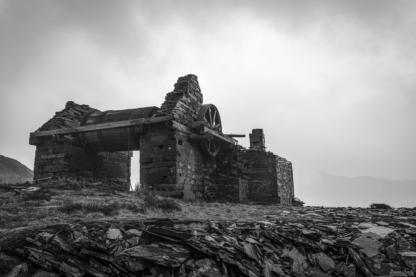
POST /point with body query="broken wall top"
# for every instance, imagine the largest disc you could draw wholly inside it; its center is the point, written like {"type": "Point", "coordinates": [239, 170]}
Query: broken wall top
{"type": "Point", "coordinates": [67, 118]}
{"type": "Point", "coordinates": [186, 93]}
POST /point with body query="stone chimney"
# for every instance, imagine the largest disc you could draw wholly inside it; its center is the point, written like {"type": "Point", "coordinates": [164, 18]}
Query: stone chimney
{"type": "Point", "coordinates": [257, 140]}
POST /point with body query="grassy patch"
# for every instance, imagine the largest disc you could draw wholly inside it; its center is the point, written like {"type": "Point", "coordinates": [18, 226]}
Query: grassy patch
{"type": "Point", "coordinates": [107, 209]}
{"type": "Point", "coordinates": [65, 184]}
{"type": "Point", "coordinates": [23, 216]}
{"type": "Point", "coordinates": [164, 204]}
{"type": "Point", "coordinates": [151, 201]}
{"type": "Point", "coordinates": [75, 200]}
{"type": "Point", "coordinates": [36, 196]}
{"type": "Point", "coordinates": [297, 202]}
{"type": "Point", "coordinates": [6, 217]}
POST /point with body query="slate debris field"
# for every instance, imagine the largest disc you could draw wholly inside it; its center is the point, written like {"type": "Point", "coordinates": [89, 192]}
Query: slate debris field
{"type": "Point", "coordinates": [301, 241]}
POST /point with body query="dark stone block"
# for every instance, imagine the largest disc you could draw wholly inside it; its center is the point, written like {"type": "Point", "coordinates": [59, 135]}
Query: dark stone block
{"type": "Point", "coordinates": [55, 168]}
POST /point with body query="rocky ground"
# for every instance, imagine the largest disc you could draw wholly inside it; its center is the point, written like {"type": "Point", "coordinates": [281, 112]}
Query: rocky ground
{"type": "Point", "coordinates": [91, 230]}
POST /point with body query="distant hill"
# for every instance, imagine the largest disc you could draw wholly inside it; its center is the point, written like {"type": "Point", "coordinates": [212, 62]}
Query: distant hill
{"type": "Point", "coordinates": [321, 188]}
{"type": "Point", "coordinates": [12, 171]}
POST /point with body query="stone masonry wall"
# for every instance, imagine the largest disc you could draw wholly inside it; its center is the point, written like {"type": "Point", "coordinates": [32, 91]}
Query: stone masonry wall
{"type": "Point", "coordinates": [285, 182]}
{"type": "Point", "coordinates": [227, 188]}
{"type": "Point", "coordinates": [184, 101]}
{"type": "Point", "coordinates": [261, 168]}
{"type": "Point", "coordinates": [170, 164]}
{"type": "Point", "coordinates": [158, 159]}
{"type": "Point", "coordinates": [66, 157]}
{"type": "Point", "coordinates": [269, 177]}
{"type": "Point", "coordinates": [67, 160]}
{"type": "Point", "coordinates": [227, 181]}
{"type": "Point", "coordinates": [191, 166]}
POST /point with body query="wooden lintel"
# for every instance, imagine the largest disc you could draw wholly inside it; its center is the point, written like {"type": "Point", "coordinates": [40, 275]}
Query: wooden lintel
{"type": "Point", "coordinates": [35, 141]}
{"type": "Point", "coordinates": [101, 127]}
{"type": "Point", "coordinates": [194, 137]}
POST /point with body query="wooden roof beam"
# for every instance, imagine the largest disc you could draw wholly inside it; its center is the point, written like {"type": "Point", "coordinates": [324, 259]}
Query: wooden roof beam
{"type": "Point", "coordinates": [100, 127]}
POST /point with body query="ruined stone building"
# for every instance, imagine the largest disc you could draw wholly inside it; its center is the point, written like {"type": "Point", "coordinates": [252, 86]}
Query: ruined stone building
{"type": "Point", "coordinates": [183, 150]}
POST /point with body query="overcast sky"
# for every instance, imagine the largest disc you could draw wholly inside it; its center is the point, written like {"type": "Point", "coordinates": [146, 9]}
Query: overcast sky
{"type": "Point", "coordinates": [332, 83]}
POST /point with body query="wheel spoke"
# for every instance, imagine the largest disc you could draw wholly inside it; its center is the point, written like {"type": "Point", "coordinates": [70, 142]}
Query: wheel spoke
{"type": "Point", "coordinates": [210, 117]}
{"type": "Point", "coordinates": [213, 119]}
{"type": "Point", "coordinates": [217, 127]}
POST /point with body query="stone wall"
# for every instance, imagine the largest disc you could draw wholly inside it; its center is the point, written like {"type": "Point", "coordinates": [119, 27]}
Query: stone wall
{"type": "Point", "coordinates": [191, 166]}
{"type": "Point", "coordinates": [285, 183]}
{"type": "Point", "coordinates": [228, 188]}
{"type": "Point", "coordinates": [69, 160]}
{"type": "Point", "coordinates": [260, 167]}
{"type": "Point", "coordinates": [269, 177]}
{"type": "Point", "coordinates": [170, 163]}
{"type": "Point", "coordinates": [158, 150]}
{"type": "Point", "coordinates": [66, 157]}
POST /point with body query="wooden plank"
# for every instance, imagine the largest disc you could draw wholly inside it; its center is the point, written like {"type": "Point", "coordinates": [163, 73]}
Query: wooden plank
{"type": "Point", "coordinates": [194, 137]}
{"type": "Point", "coordinates": [235, 135]}
{"type": "Point", "coordinates": [101, 127]}
{"type": "Point", "coordinates": [35, 141]}
{"type": "Point", "coordinates": [90, 128]}
{"type": "Point", "coordinates": [42, 179]}
{"type": "Point", "coordinates": [218, 135]}
{"type": "Point", "coordinates": [360, 263]}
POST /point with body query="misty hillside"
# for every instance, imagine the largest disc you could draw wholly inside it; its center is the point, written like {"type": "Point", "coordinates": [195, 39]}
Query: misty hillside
{"type": "Point", "coordinates": [12, 171]}
{"type": "Point", "coordinates": [321, 188]}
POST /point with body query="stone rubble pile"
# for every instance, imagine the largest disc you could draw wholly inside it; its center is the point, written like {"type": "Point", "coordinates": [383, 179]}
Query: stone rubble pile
{"type": "Point", "coordinates": [299, 241]}
{"type": "Point", "coordinates": [67, 118]}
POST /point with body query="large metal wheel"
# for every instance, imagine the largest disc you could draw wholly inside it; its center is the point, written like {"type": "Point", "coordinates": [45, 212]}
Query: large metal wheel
{"type": "Point", "coordinates": [209, 114]}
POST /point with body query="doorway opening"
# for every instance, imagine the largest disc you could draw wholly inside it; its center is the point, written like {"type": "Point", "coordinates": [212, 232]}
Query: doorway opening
{"type": "Point", "coordinates": [135, 170]}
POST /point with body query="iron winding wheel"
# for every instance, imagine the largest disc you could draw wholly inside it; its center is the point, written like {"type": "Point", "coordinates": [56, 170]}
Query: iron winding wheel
{"type": "Point", "coordinates": [209, 114]}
